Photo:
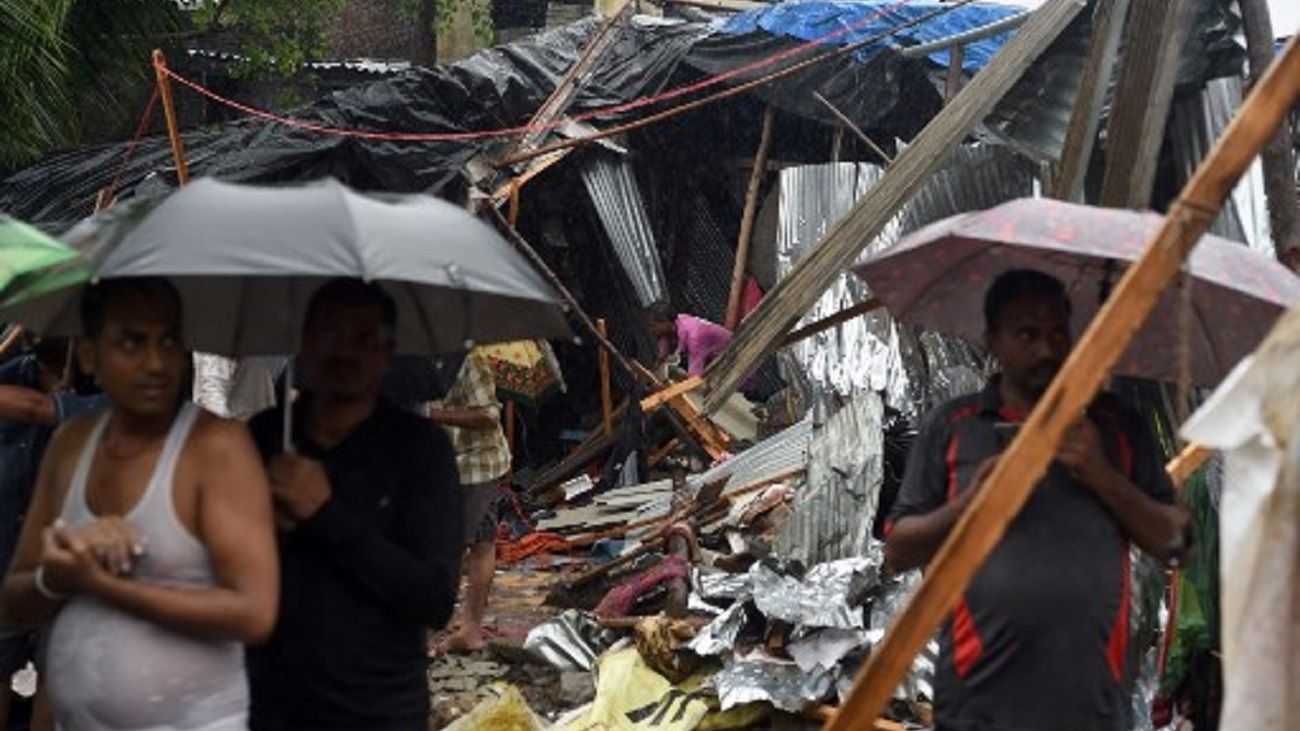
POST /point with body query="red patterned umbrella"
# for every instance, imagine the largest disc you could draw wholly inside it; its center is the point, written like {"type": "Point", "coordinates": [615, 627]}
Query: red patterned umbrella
{"type": "Point", "coordinates": [937, 276]}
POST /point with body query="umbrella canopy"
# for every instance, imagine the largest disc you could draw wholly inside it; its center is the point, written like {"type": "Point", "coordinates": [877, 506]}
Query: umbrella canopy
{"type": "Point", "coordinates": [247, 259]}
{"type": "Point", "coordinates": [30, 261]}
{"type": "Point", "coordinates": [522, 371]}
{"type": "Point", "coordinates": [937, 277]}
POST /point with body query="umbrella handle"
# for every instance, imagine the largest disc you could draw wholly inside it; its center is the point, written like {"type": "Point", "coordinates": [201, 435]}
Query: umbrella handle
{"type": "Point", "coordinates": [287, 427]}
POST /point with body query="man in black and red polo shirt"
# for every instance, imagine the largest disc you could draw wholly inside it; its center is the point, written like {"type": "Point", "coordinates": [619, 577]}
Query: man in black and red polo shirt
{"type": "Point", "coordinates": [1038, 642]}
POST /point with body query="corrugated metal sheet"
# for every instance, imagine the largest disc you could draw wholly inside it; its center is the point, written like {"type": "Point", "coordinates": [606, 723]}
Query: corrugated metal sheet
{"type": "Point", "coordinates": [872, 352]}
{"type": "Point", "coordinates": [1034, 115]}
{"type": "Point", "coordinates": [617, 197]}
{"type": "Point", "coordinates": [833, 512]}
{"type": "Point", "coordinates": [778, 455]}
{"type": "Point", "coordinates": [1195, 123]}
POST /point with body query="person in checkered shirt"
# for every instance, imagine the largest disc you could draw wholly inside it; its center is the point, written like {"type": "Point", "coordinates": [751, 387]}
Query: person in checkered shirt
{"type": "Point", "coordinates": [471, 414]}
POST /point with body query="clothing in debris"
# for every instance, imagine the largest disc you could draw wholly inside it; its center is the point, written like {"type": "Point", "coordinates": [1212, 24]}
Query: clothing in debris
{"type": "Point", "coordinates": [698, 340]}
{"type": "Point", "coordinates": [362, 579]}
{"type": "Point", "coordinates": [116, 670]}
{"type": "Point", "coordinates": [1039, 640]}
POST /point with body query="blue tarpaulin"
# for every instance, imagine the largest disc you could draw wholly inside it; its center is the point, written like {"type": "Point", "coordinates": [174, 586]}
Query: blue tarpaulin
{"type": "Point", "coordinates": [814, 19]}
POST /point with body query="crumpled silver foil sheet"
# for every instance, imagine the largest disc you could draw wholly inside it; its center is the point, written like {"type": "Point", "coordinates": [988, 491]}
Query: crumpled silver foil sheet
{"type": "Point", "coordinates": [719, 636]}
{"type": "Point", "coordinates": [821, 599]}
{"type": "Point", "coordinates": [571, 641]}
{"type": "Point", "coordinates": [780, 682]}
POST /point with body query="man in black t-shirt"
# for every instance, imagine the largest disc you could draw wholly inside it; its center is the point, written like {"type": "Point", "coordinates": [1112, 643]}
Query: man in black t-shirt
{"type": "Point", "coordinates": [370, 539]}
{"type": "Point", "coordinates": [1039, 640]}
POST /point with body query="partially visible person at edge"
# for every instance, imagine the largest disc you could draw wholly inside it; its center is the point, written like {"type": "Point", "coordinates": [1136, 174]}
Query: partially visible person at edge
{"type": "Point", "coordinates": [696, 340]}
{"type": "Point", "coordinates": [1039, 640]}
{"type": "Point", "coordinates": [36, 395]}
{"type": "Point", "coordinates": [370, 534]}
{"type": "Point", "coordinates": [149, 544]}
{"type": "Point", "coordinates": [471, 414]}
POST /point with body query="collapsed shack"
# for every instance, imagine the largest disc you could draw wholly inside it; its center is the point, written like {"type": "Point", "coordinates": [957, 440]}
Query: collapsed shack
{"type": "Point", "coordinates": [747, 589]}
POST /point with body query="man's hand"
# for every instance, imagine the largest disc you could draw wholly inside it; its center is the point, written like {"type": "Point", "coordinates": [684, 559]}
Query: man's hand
{"type": "Point", "coordinates": [299, 485]}
{"type": "Point", "coordinates": [68, 562]}
{"type": "Point", "coordinates": [113, 542]}
{"type": "Point", "coordinates": [1081, 452]}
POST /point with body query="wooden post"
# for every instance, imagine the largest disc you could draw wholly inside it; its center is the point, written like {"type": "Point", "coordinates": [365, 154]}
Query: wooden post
{"type": "Point", "coordinates": [169, 109]}
{"type": "Point", "coordinates": [830, 321]}
{"type": "Point", "coordinates": [952, 84]}
{"type": "Point", "coordinates": [1081, 135]}
{"type": "Point", "coordinates": [792, 296]}
{"type": "Point", "coordinates": [606, 401]}
{"type": "Point", "coordinates": [981, 527]}
{"type": "Point", "coordinates": [747, 223]}
{"type": "Point", "coordinates": [1157, 30]}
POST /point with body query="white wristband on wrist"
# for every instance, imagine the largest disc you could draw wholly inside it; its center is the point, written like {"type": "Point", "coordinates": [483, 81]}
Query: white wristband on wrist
{"type": "Point", "coordinates": [38, 578]}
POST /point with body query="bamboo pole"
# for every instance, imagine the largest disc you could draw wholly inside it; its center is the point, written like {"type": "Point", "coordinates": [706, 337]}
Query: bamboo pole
{"type": "Point", "coordinates": [747, 222]}
{"type": "Point", "coordinates": [956, 73]}
{"type": "Point", "coordinates": [855, 129]}
{"type": "Point", "coordinates": [169, 110]}
{"type": "Point", "coordinates": [606, 401]}
{"type": "Point", "coordinates": [830, 321]}
{"type": "Point", "coordinates": [981, 527]}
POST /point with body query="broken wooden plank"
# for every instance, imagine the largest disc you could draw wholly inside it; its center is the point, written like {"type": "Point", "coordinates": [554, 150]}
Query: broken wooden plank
{"type": "Point", "coordinates": [1186, 463]}
{"type": "Point", "coordinates": [795, 294]}
{"type": "Point", "coordinates": [1008, 487]}
{"type": "Point", "coordinates": [952, 83]}
{"type": "Point", "coordinates": [652, 402]}
{"type": "Point", "coordinates": [1085, 119]}
{"type": "Point", "coordinates": [1153, 43]}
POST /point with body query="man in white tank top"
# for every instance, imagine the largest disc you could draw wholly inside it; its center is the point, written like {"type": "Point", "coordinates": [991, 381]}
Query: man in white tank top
{"type": "Point", "coordinates": [149, 546]}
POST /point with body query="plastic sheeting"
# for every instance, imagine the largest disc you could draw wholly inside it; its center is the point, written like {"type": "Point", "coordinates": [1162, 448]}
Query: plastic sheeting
{"type": "Point", "coordinates": [813, 19]}
{"type": "Point", "coordinates": [498, 87]}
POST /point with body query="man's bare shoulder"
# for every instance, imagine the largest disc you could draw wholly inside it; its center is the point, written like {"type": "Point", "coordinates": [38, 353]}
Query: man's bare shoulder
{"type": "Point", "coordinates": [216, 436]}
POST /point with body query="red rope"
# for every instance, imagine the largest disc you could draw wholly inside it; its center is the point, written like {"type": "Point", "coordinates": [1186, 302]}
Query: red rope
{"type": "Point", "coordinates": [111, 190]}
{"type": "Point", "coordinates": [525, 129]}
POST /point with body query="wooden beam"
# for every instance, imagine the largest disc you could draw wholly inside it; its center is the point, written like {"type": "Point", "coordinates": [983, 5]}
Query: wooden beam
{"type": "Point", "coordinates": [956, 74]}
{"type": "Point", "coordinates": [606, 401]}
{"type": "Point", "coordinates": [657, 399]}
{"type": "Point", "coordinates": [1009, 486]}
{"type": "Point", "coordinates": [792, 297]}
{"type": "Point", "coordinates": [1081, 135]}
{"type": "Point", "coordinates": [830, 321]}
{"type": "Point", "coordinates": [747, 222]}
{"type": "Point", "coordinates": [1153, 43]}
{"type": "Point", "coordinates": [169, 111]}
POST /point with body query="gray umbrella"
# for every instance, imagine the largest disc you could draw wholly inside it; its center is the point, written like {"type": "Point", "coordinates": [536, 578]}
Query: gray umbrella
{"type": "Point", "coordinates": [248, 258]}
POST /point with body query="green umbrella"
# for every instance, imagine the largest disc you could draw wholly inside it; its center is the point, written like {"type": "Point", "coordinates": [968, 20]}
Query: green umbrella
{"type": "Point", "coordinates": [32, 263]}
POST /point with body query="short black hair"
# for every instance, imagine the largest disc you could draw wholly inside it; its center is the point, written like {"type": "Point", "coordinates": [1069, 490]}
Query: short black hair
{"type": "Point", "coordinates": [661, 311]}
{"type": "Point", "coordinates": [95, 298]}
{"type": "Point", "coordinates": [1017, 284]}
{"type": "Point", "coordinates": [353, 292]}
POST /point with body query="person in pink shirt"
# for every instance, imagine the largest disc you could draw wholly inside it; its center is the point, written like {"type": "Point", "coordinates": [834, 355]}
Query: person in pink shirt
{"type": "Point", "coordinates": [697, 340]}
